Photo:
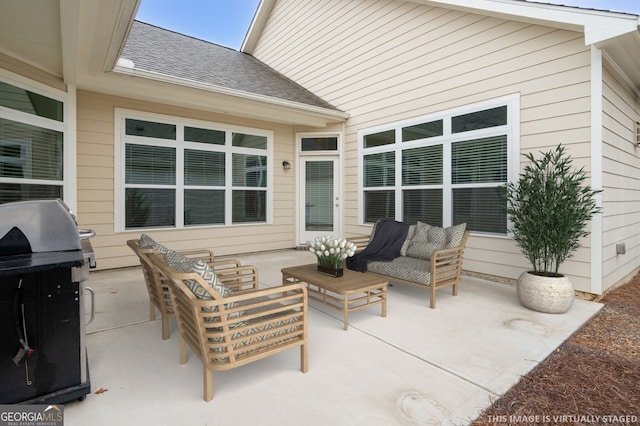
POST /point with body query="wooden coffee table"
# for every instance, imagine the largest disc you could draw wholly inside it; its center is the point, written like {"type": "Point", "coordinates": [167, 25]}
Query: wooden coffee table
{"type": "Point", "coordinates": [348, 293]}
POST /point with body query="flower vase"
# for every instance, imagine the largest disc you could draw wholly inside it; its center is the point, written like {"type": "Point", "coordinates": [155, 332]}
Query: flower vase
{"type": "Point", "coordinates": [329, 268]}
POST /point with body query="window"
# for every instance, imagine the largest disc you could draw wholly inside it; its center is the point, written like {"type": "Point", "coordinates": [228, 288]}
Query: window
{"type": "Point", "coordinates": [329, 143]}
{"type": "Point", "coordinates": [31, 145]}
{"type": "Point", "coordinates": [180, 175]}
{"type": "Point", "coordinates": [448, 169]}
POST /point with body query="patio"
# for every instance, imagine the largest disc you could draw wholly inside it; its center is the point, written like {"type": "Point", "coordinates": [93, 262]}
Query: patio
{"type": "Point", "coordinates": [416, 366]}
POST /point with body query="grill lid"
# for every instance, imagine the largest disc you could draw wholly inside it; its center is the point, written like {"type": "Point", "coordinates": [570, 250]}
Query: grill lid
{"type": "Point", "coordinates": [37, 226]}
{"type": "Point", "coordinates": [14, 242]}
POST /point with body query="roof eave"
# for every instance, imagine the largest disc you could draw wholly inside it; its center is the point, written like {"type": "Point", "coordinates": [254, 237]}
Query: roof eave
{"type": "Point", "coordinates": [257, 25]}
{"type": "Point", "coordinates": [323, 114]}
{"type": "Point", "coordinates": [597, 25]}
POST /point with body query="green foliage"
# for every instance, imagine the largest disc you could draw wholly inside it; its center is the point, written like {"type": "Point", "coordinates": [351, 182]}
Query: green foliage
{"type": "Point", "coordinates": [549, 208]}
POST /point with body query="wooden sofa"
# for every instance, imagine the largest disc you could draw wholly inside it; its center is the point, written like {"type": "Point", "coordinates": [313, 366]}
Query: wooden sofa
{"type": "Point", "coordinates": [419, 266]}
{"type": "Point", "coordinates": [159, 297]}
{"type": "Point", "coordinates": [226, 332]}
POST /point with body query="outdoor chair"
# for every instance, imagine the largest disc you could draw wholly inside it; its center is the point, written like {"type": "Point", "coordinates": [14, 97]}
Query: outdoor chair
{"type": "Point", "coordinates": [228, 328]}
{"type": "Point", "coordinates": [157, 289]}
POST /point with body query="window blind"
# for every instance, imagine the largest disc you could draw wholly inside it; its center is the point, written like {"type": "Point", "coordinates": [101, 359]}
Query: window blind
{"type": "Point", "coordinates": [380, 169]}
{"type": "Point", "coordinates": [319, 179]}
{"type": "Point", "coordinates": [479, 160]}
{"type": "Point", "coordinates": [422, 166]}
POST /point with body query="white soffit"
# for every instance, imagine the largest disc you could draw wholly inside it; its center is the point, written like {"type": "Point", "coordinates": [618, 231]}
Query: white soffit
{"type": "Point", "coordinates": [30, 32]}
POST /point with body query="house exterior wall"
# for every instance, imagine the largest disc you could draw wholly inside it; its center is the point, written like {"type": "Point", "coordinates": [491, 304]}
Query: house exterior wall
{"type": "Point", "coordinates": [96, 203]}
{"type": "Point", "coordinates": [621, 177]}
{"type": "Point", "coordinates": [384, 62]}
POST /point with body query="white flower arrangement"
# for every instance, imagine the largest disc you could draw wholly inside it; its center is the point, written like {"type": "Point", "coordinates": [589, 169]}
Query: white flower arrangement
{"type": "Point", "coordinates": [331, 251]}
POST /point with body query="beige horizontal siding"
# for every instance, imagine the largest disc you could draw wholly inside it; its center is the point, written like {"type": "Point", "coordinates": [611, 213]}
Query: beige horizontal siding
{"type": "Point", "coordinates": [96, 187]}
{"type": "Point", "coordinates": [387, 61]}
{"type": "Point", "coordinates": [621, 178]}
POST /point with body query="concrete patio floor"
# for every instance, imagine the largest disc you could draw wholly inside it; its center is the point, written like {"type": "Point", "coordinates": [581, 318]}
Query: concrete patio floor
{"type": "Point", "coordinates": [417, 366]}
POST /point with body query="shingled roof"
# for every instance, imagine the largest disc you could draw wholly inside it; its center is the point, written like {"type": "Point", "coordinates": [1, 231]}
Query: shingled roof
{"type": "Point", "coordinates": [162, 51]}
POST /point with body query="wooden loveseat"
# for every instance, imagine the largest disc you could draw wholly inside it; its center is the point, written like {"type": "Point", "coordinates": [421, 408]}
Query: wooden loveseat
{"type": "Point", "coordinates": [430, 257]}
{"type": "Point", "coordinates": [229, 328]}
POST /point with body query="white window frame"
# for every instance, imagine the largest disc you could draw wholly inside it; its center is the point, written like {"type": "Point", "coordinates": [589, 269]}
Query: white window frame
{"type": "Point", "coordinates": [66, 127]}
{"type": "Point", "coordinates": [511, 129]}
{"type": "Point", "coordinates": [119, 165]}
{"type": "Point", "coordinates": [335, 154]}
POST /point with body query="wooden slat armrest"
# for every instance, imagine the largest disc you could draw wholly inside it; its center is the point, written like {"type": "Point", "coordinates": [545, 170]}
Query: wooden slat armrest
{"type": "Point", "coordinates": [239, 278]}
{"type": "Point", "coordinates": [268, 301]}
{"type": "Point", "coordinates": [447, 253]}
{"type": "Point", "coordinates": [284, 291]}
{"type": "Point", "coordinates": [361, 242]}
{"type": "Point", "coordinates": [446, 268]}
{"type": "Point", "coordinates": [224, 263]}
{"type": "Point", "coordinates": [243, 300]}
{"type": "Point", "coordinates": [203, 254]}
{"type": "Point", "coordinates": [248, 304]}
{"type": "Point", "coordinates": [249, 310]}
{"type": "Point", "coordinates": [448, 256]}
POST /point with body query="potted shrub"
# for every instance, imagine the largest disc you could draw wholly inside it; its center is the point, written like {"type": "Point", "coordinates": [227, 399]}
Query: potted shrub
{"type": "Point", "coordinates": [549, 207]}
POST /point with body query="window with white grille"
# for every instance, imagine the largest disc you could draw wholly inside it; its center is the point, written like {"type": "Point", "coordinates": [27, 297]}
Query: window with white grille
{"type": "Point", "coordinates": [444, 169]}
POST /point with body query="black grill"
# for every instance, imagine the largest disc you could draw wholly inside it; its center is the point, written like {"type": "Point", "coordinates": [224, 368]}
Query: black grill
{"type": "Point", "coordinates": [44, 264]}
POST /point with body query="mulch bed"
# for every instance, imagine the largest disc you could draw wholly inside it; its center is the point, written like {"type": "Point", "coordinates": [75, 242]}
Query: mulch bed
{"type": "Point", "coordinates": [592, 378]}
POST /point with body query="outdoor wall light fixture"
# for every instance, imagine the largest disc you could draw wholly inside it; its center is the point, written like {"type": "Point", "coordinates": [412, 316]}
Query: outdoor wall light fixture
{"type": "Point", "coordinates": [286, 165]}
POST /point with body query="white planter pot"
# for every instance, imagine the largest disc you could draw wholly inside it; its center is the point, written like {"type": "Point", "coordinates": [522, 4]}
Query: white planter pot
{"type": "Point", "coordinates": [552, 295]}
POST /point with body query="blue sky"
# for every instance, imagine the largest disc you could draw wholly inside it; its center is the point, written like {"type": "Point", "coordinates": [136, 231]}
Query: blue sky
{"type": "Point", "coordinates": [223, 22]}
{"type": "Point", "coordinates": [226, 22]}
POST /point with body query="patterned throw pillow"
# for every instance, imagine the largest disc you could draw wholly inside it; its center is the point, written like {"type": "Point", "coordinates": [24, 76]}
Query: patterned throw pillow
{"type": "Point", "coordinates": [454, 235]}
{"type": "Point", "coordinates": [178, 262]}
{"type": "Point", "coordinates": [422, 244]}
{"type": "Point", "coordinates": [407, 241]}
{"type": "Point", "coordinates": [420, 233]}
{"type": "Point", "coordinates": [183, 264]}
{"type": "Point", "coordinates": [428, 239]}
{"type": "Point", "coordinates": [148, 242]}
{"type": "Point", "coordinates": [210, 277]}
{"type": "Point", "coordinates": [437, 236]}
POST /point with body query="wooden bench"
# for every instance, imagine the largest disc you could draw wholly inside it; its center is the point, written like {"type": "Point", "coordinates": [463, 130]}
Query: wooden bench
{"type": "Point", "coordinates": [442, 269]}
